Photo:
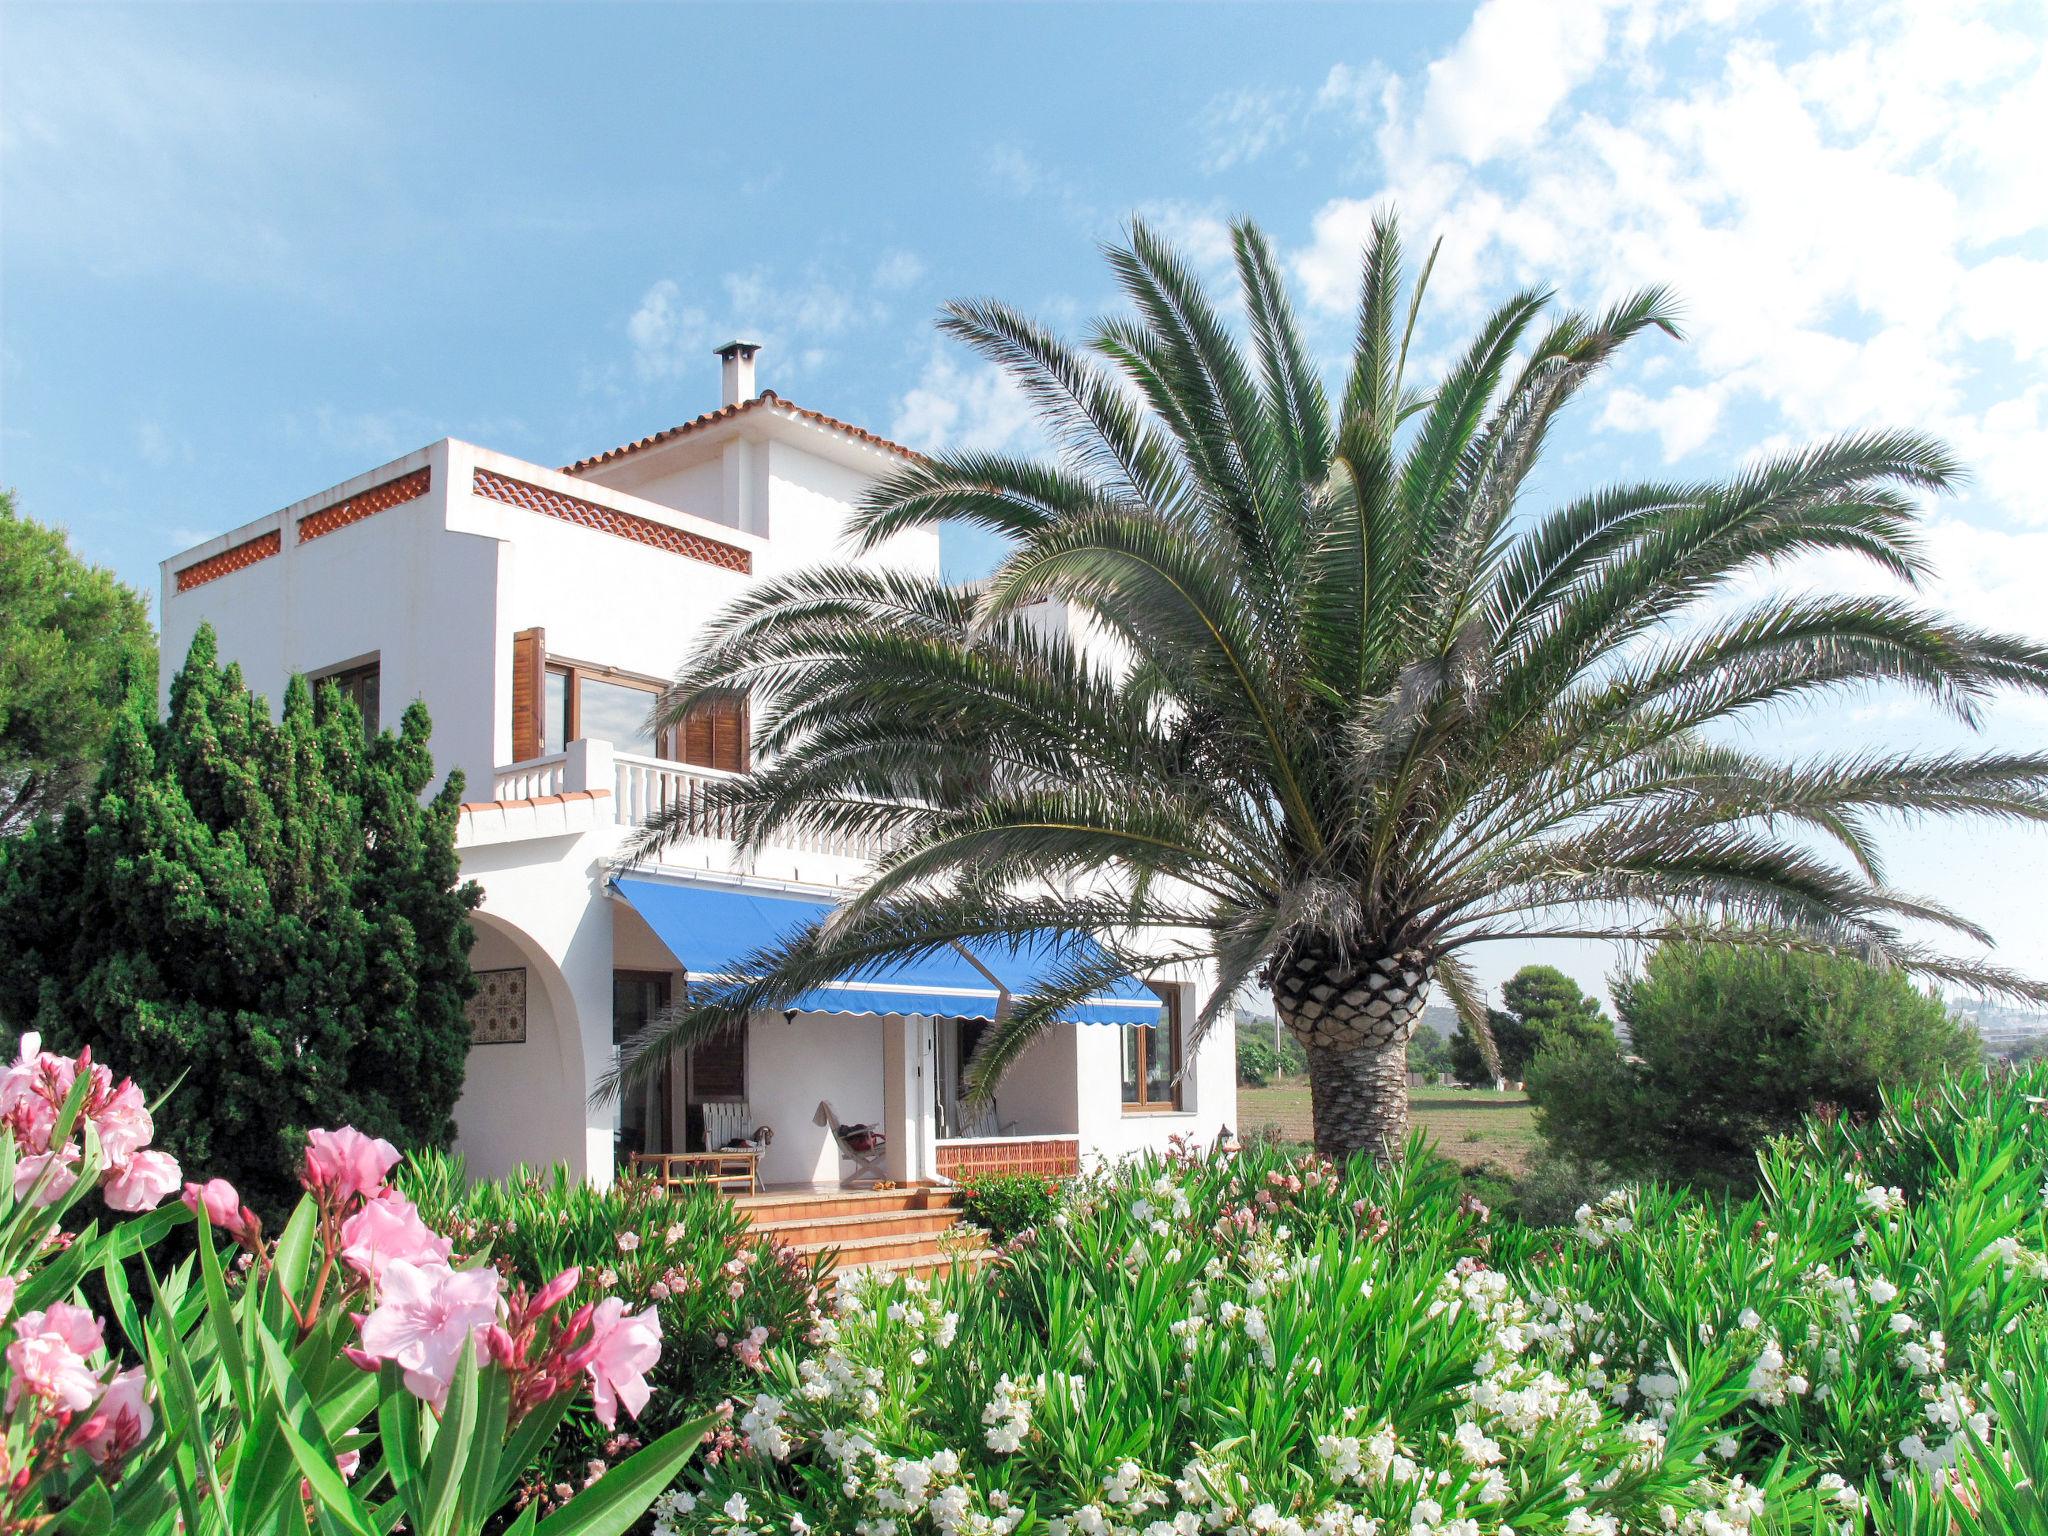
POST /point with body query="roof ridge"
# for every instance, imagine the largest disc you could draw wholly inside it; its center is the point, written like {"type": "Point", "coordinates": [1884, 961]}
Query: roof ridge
{"type": "Point", "coordinates": [767, 397]}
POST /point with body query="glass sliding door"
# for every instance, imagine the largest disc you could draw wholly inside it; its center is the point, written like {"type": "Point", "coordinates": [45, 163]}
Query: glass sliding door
{"type": "Point", "coordinates": [647, 1121]}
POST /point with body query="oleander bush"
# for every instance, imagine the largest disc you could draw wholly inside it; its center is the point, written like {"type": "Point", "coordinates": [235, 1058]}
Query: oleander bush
{"type": "Point", "coordinates": [353, 1374]}
{"type": "Point", "coordinates": [1265, 1343]}
{"type": "Point", "coordinates": [1008, 1205]}
{"type": "Point", "coordinates": [722, 1300]}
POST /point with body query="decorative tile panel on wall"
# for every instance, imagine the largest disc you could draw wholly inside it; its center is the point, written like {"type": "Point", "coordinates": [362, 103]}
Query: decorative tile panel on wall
{"type": "Point", "coordinates": [497, 1014]}
{"type": "Point", "coordinates": [247, 553]}
{"type": "Point", "coordinates": [623, 525]}
{"type": "Point", "coordinates": [378, 498]}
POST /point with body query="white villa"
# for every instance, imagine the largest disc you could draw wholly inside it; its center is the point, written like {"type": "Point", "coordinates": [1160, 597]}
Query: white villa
{"type": "Point", "coordinates": [539, 612]}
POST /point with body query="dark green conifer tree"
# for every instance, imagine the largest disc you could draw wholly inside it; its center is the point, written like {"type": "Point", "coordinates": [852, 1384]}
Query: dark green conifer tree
{"type": "Point", "coordinates": [267, 910]}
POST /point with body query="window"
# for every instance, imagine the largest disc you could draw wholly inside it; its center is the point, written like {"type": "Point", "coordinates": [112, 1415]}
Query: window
{"type": "Point", "coordinates": [359, 685]}
{"type": "Point", "coordinates": [585, 701]}
{"type": "Point", "coordinates": [646, 1108]}
{"type": "Point", "coordinates": [582, 700]}
{"type": "Point", "coordinates": [1151, 1058]}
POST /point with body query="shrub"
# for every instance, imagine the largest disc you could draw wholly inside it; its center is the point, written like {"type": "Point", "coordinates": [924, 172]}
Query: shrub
{"type": "Point", "coordinates": [344, 1376]}
{"type": "Point", "coordinates": [1273, 1344]}
{"type": "Point", "coordinates": [269, 911]}
{"type": "Point", "coordinates": [722, 1298]}
{"type": "Point", "coordinates": [1257, 1062]}
{"type": "Point", "coordinates": [1544, 1010]}
{"type": "Point", "coordinates": [1260, 1060]}
{"type": "Point", "coordinates": [1730, 1047]}
{"type": "Point", "coordinates": [1555, 1185]}
{"type": "Point", "coordinates": [1004, 1205]}
{"type": "Point", "coordinates": [1429, 1052]}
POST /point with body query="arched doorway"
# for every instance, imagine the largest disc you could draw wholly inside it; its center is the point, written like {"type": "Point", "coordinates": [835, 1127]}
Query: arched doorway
{"type": "Point", "coordinates": [522, 1098]}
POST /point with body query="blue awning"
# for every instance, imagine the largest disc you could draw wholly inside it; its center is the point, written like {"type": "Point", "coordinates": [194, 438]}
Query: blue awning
{"type": "Point", "coordinates": [712, 929]}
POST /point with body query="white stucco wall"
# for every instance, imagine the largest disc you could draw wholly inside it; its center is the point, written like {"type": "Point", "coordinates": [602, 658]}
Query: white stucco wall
{"type": "Point", "coordinates": [398, 586]}
{"type": "Point", "coordinates": [791, 1065]}
{"type": "Point", "coordinates": [1208, 1093]}
{"type": "Point", "coordinates": [546, 894]}
{"type": "Point", "coordinates": [520, 1102]}
{"type": "Point", "coordinates": [1040, 1093]}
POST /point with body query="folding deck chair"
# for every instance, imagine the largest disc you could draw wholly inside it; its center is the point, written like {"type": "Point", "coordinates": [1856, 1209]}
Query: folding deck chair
{"type": "Point", "coordinates": [865, 1146]}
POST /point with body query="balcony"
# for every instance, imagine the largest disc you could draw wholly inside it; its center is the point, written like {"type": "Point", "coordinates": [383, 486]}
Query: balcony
{"type": "Point", "coordinates": [629, 790]}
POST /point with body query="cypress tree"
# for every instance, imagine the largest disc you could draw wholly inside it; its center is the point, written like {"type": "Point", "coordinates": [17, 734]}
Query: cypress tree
{"type": "Point", "coordinates": [267, 910]}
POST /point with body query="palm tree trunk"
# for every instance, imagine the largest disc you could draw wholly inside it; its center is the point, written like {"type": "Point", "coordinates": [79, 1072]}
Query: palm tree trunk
{"type": "Point", "coordinates": [1359, 1100]}
{"type": "Point", "coordinates": [1353, 1018]}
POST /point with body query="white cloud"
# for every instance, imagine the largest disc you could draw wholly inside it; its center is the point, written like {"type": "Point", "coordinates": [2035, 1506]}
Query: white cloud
{"type": "Point", "coordinates": [1202, 234]}
{"type": "Point", "coordinates": [1358, 92]}
{"type": "Point", "coordinates": [1242, 125]}
{"type": "Point", "coordinates": [159, 445]}
{"type": "Point", "coordinates": [973, 408]}
{"type": "Point", "coordinates": [1683, 418]}
{"type": "Point", "coordinates": [898, 269]}
{"type": "Point", "coordinates": [1836, 217]}
{"type": "Point", "coordinates": [672, 335]}
{"type": "Point", "coordinates": [1501, 83]}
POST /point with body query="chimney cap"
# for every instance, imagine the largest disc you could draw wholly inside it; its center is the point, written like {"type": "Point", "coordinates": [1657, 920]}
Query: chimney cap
{"type": "Point", "coordinates": [738, 349]}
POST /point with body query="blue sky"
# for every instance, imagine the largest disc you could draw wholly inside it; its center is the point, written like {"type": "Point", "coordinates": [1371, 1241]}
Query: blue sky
{"type": "Point", "coordinates": [246, 253]}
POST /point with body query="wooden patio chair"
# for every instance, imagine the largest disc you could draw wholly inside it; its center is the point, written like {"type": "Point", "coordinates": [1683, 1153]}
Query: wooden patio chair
{"type": "Point", "coordinates": [865, 1146]}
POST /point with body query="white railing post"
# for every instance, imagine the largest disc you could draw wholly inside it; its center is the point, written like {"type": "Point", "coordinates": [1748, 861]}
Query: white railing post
{"type": "Point", "coordinates": [587, 764]}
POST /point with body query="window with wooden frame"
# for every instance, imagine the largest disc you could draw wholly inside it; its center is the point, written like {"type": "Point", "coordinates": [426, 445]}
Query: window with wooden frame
{"type": "Point", "coordinates": [1151, 1059]}
{"type": "Point", "coordinates": [361, 686]}
{"type": "Point", "coordinates": [581, 699]}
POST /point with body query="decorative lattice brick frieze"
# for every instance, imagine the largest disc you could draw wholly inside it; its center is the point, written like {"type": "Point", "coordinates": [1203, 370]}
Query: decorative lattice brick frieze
{"type": "Point", "coordinates": [622, 525]}
{"type": "Point", "coordinates": [247, 553]}
{"type": "Point", "coordinates": [378, 498]}
{"type": "Point", "coordinates": [1042, 1157]}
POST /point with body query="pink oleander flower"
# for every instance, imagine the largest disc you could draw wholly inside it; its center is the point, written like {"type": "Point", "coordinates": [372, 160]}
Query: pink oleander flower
{"type": "Point", "coordinates": [388, 1228]}
{"type": "Point", "coordinates": [123, 1122]}
{"type": "Point", "coordinates": [623, 1348]}
{"type": "Point", "coordinates": [7, 1288]}
{"type": "Point", "coordinates": [48, 1357]}
{"type": "Point", "coordinates": [216, 1200]}
{"type": "Point", "coordinates": [120, 1422]}
{"type": "Point", "coordinates": [30, 1093]}
{"type": "Point", "coordinates": [556, 1290]}
{"type": "Point", "coordinates": [424, 1316]}
{"type": "Point", "coordinates": [344, 1163]}
{"type": "Point", "coordinates": [63, 1168]}
{"type": "Point", "coordinates": [143, 1182]}
{"type": "Point", "coordinates": [628, 1241]}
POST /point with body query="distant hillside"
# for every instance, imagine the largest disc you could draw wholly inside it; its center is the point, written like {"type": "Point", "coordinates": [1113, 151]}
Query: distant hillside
{"type": "Point", "coordinates": [1441, 1018]}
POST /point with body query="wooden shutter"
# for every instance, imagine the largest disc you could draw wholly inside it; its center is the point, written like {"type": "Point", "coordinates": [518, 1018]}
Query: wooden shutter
{"type": "Point", "coordinates": [715, 735]}
{"type": "Point", "coordinates": [718, 1067]}
{"type": "Point", "coordinates": [730, 741]}
{"type": "Point", "coordinates": [529, 692]}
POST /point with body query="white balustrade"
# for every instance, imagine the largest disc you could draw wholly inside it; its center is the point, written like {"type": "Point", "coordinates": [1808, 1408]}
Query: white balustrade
{"type": "Point", "coordinates": [644, 788]}
{"type": "Point", "coordinates": [531, 779]}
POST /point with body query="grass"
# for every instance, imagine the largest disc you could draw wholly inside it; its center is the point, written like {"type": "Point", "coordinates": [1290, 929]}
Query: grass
{"type": "Point", "coordinates": [1469, 1125]}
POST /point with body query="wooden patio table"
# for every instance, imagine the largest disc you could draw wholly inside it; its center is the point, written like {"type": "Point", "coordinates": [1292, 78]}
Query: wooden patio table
{"type": "Point", "coordinates": [728, 1171]}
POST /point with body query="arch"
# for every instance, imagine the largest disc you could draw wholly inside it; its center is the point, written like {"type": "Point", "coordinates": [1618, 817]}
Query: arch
{"type": "Point", "coordinates": [523, 1103]}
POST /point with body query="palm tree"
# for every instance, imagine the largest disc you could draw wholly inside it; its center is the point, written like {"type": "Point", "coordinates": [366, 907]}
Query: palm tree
{"type": "Point", "coordinates": [1356, 708]}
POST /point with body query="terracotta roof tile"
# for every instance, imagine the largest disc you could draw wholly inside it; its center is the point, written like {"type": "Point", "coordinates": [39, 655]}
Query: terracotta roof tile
{"type": "Point", "coordinates": [468, 806]}
{"type": "Point", "coordinates": [767, 398]}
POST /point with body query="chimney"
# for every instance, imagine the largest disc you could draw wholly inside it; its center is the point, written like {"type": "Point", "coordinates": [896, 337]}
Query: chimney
{"type": "Point", "coordinates": [736, 380]}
